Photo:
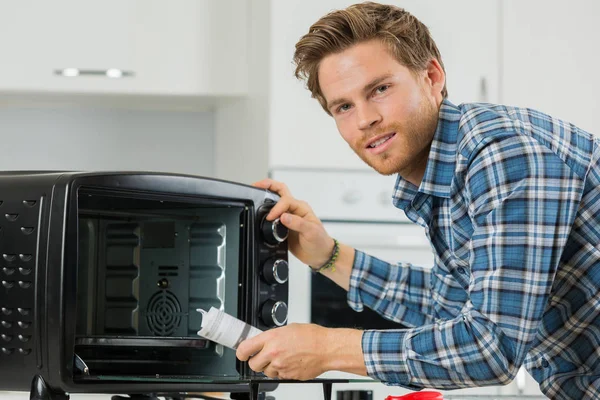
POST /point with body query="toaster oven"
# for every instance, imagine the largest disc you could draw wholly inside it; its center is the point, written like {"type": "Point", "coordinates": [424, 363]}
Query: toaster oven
{"type": "Point", "coordinates": [102, 274]}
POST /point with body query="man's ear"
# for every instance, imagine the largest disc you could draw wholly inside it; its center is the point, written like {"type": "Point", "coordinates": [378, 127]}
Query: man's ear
{"type": "Point", "coordinates": [435, 79]}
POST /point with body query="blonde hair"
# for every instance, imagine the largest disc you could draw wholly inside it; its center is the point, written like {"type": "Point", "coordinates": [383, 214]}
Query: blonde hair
{"type": "Point", "coordinates": [408, 40]}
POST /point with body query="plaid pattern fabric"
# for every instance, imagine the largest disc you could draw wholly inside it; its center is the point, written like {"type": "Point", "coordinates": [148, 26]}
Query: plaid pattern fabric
{"type": "Point", "coordinates": [510, 202]}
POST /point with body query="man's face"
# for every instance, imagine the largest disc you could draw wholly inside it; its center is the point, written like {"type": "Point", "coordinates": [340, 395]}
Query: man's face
{"type": "Point", "coordinates": [387, 114]}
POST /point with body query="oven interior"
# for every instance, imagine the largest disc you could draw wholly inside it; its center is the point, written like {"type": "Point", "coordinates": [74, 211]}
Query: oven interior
{"type": "Point", "coordinates": [145, 265]}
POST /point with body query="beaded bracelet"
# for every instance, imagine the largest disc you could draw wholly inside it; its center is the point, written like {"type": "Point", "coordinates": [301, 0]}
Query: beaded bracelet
{"type": "Point", "coordinates": [331, 262]}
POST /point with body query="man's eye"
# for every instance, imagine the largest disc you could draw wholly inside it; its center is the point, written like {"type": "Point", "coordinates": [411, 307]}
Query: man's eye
{"type": "Point", "coordinates": [382, 88]}
{"type": "Point", "coordinates": [344, 107]}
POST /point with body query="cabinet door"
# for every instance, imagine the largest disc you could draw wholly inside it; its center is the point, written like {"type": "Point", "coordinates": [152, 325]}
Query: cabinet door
{"type": "Point", "coordinates": [302, 134]}
{"type": "Point", "coordinates": [549, 58]}
{"type": "Point", "coordinates": [181, 48]}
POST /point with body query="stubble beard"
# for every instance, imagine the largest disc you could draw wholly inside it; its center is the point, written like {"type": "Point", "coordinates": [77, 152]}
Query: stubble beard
{"type": "Point", "coordinates": [420, 129]}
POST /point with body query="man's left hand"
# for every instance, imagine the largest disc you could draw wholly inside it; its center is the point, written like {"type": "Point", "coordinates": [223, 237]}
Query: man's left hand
{"type": "Point", "coordinates": [296, 351]}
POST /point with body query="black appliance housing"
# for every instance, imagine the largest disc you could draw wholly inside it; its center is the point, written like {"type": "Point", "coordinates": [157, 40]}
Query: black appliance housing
{"type": "Point", "coordinates": [102, 274]}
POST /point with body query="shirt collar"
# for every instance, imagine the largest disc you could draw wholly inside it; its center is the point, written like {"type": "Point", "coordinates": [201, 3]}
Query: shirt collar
{"type": "Point", "coordinates": [441, 161]}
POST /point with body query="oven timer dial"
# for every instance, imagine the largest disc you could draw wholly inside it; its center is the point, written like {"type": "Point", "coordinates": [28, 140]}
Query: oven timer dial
{"type": "Point", "coordinates": [274, 231]}
{"type": "Point", "coordinates": [274, 313]}
{"type": "Point", "coordinates": [275, 271]}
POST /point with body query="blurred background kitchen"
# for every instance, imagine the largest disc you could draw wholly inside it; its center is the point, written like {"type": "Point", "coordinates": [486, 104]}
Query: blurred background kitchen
{"type": "Point", "coordinates": [206, 87]}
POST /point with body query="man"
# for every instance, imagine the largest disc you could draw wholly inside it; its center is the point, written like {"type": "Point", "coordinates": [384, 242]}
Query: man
{"type": "Point", "coordinates": [508, 197]}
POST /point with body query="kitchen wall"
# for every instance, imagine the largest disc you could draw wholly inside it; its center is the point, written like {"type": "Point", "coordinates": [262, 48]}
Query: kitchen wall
{"type": "Point", "coordinates": [547, 58]}
{"type": "Point", "coordinates": [107, 139]}
{"type": "Point", "coordinates": [242, 125]}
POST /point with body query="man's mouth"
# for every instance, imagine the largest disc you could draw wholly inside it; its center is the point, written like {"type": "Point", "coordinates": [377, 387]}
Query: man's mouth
{"type": "Point", "coordinates": [381, 140]}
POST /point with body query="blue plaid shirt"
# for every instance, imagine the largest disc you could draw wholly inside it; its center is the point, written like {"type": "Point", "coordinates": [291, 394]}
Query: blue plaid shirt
{"type": "Point", "coordinates": [510, 202]}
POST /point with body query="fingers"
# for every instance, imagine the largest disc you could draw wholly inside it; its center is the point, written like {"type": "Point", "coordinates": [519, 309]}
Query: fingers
{"type": "Point", "coordinates": [249, 347]}
{"type": "Point", "coordinates": [263, 184]}
{"type": "Point", "coordinates": [271, 372]}
{"type": "Point", "coordinates": [259, 360]}
{"type": "Point", "coordinates": [259, 363]}
{"type": "Point", "coordinates": [292, 212]}
{"type": "Point", "coordinates": [294, 223]}
{"type": "Point", "coordinates": [274, 186]}
{"type": "Point", "coordinates": [289, 204]}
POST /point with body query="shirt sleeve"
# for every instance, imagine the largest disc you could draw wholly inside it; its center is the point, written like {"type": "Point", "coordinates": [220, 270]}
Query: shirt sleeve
{"type": "Point", "coordinates": [522, 200]}
{"type": "Point", "coordinates": [398, 292]}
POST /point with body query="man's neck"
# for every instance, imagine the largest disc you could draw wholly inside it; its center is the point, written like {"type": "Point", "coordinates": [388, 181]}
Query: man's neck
{"type": "Point", "coordinates": [417, 170]}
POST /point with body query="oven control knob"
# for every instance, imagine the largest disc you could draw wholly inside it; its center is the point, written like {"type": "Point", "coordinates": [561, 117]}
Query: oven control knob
{"type": "Point", "coordinates": [275, 271]}
{"type": "Point", "coordinates": [274, 231]}
{"type": "Point", "coordinates": [274, 313]}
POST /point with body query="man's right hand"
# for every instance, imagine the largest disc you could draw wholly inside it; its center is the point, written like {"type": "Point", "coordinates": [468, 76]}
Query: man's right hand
{"type": "Point", "coordinates": [307, 240]}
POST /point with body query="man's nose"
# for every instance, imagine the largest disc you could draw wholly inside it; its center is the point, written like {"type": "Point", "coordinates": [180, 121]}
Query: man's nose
{"type": "Point", "coordinates": [368, 116]}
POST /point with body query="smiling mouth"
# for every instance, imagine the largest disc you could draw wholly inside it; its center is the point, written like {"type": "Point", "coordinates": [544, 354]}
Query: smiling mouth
{"type": "Point", "coordinates": [381, 141]}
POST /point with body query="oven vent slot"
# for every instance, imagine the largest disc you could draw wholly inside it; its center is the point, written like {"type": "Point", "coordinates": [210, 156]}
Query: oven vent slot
{"type": "Point", "coordinates": [167, 270]}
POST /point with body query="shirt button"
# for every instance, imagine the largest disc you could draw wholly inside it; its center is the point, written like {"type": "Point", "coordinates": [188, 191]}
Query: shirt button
{"type": "Point", "coordinates": [545, 363]}
{"type": "Point", "coordinates": [462, 270]}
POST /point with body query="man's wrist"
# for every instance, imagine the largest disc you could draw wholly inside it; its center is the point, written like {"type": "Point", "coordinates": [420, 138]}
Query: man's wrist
{"type": "Point", "coordinates": [330, 263]}
{"type": "Point", "coordinates": [343, 351]}
{"type": "Point", "coordinates": [326, 255]}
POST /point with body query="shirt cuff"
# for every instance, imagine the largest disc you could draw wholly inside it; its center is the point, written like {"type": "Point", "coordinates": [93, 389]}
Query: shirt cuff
{"type": "Point", "coordinates": [385, 356]}
{"type": "Point", "coordinates": [359, 270]}
{"type": "Point", "coordinates": [369, 281]}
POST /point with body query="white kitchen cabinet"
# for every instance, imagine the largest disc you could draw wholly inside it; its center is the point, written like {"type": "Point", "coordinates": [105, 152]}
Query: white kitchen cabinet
{"type": "Point", "coordinates": [549, 61]}
{"type": "Point", "coordinates": [176, 48]}
{"type": "Point", "coordinates": [301, 134]}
